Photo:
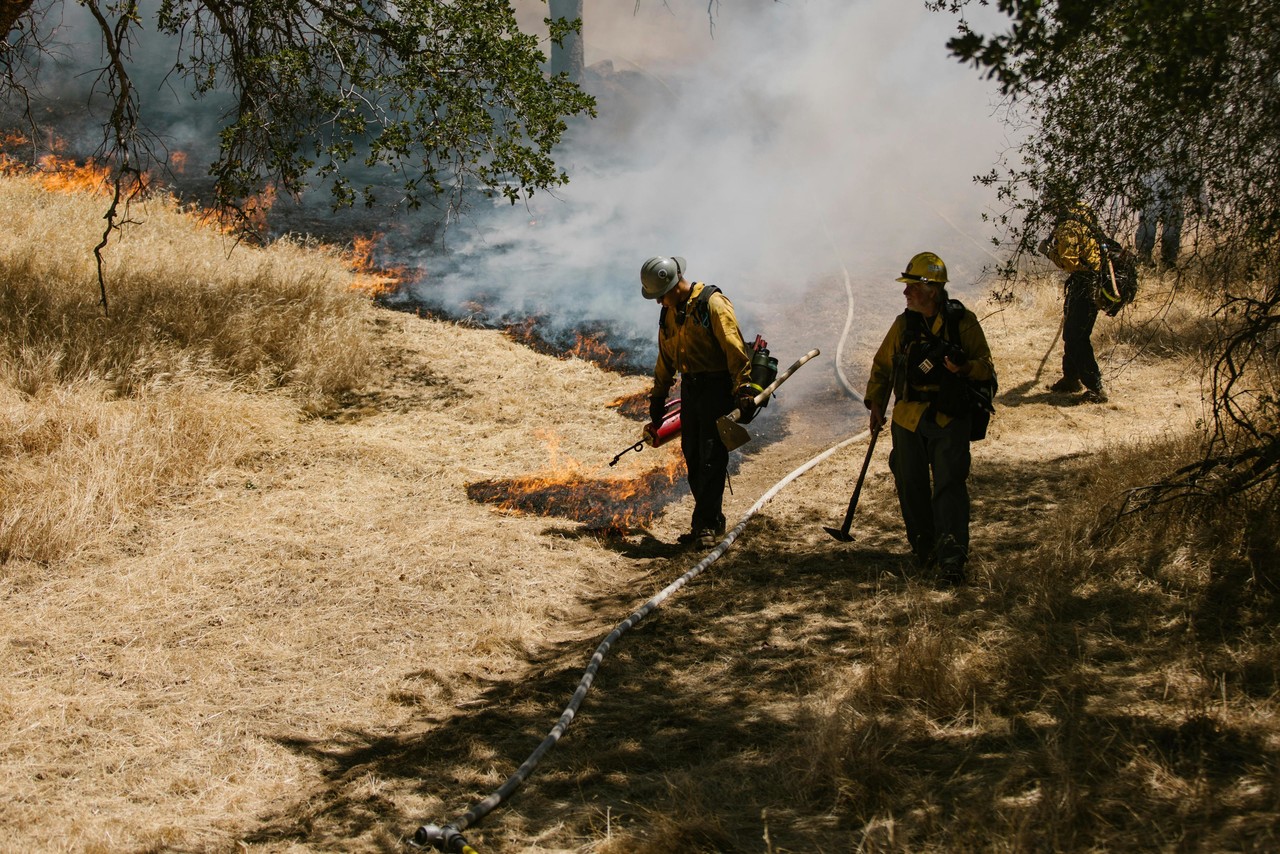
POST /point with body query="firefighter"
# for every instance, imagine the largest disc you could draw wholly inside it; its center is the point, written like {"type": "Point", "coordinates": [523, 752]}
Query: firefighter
{"type": "Point", "coordinates": [1073, 247]}
{"type": "Point", "coordinates": [1164, 208]}
{"type": "Point", "coordinates": [698, 338]}
{"type": "Point", "coordinates": [925, 366]}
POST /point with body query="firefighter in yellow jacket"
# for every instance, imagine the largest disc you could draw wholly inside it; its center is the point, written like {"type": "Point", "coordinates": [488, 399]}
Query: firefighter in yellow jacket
{"type": "Point", "coordinates": [699, 339]}
{"type": "Point", "coordinates": [924, 360]}
{"type": "Point", "coordinates": [1073, 248]}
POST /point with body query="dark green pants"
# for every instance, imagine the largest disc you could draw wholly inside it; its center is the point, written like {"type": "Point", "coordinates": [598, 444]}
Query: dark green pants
{"type": "Point", "coordinates": [1079, 313]}
{"type": "Point", "coordinates": [931, 471]}
{"type": "Point", "coordinates": [703, 399]}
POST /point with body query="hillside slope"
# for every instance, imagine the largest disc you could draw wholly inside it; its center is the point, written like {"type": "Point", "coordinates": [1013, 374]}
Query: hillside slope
{"type": "Point", "coordinates": [329, 643]}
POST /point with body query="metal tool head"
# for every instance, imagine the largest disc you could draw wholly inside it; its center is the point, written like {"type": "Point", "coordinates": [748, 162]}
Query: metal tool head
{"type": "Point", "coordinates": [733, 434]}
{"type": "Point", "coordinates": [841, 535]}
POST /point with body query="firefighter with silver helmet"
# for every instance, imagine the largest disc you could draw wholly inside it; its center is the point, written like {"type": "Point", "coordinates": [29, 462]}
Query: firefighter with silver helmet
{"type": "Point", "coordinates": [698, 339]}
{"type": "Point", "coordinates": [931, 349]}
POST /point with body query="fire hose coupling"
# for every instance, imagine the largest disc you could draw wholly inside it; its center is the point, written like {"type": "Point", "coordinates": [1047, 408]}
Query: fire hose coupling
{"type": "Point", "coordinates": [447, 838]}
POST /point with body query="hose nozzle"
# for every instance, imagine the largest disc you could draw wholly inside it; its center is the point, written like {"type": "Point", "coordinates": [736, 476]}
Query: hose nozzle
{"type": "Point", "coordinates": [447, 838]}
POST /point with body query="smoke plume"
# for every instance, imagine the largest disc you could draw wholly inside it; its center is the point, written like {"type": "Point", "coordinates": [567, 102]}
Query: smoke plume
{"type": "Point", "coordinates": [782, 148]}
{"type": "Point", "coordinates": [775, 146]}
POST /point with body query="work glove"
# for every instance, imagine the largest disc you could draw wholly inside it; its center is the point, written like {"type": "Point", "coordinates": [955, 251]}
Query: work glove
{"type": "Point", "coordinates": [657, 410]}
{"type": "Point", "coordinates": [877, 415]}
{"type": "Point", "coordinates": [745, 400]}
{"type": "Point", "coordinates": [958, 365]}
{"type": "Point", "coordinates": [956, 360]}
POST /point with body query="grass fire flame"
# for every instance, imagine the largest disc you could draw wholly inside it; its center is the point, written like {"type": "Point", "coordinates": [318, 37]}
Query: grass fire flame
{"type": "Point", "coordinates": [58, 173]}
{"type": "Point", "coordinates": [588, 345]}
{"type": "Point", "coordinates": [371, 278]}
{"type": "Point", "coordinates": [613, 507]}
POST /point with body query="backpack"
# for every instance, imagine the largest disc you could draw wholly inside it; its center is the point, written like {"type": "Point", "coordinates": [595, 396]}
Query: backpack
{"type": "Point", "coordinates": [1117, 278]}
{"type": "Point", "coordinates": [957, 396]}
{"type": "Point", "coordinates": [764, 367]}
{"type": "Point", "coordinates": [700, 310]}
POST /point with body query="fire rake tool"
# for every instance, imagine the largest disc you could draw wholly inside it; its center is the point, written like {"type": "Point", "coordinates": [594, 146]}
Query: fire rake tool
{"type": "Point", "coordinates": [842, 533]}
{"type": "Point", "coordinates": [733, 434]}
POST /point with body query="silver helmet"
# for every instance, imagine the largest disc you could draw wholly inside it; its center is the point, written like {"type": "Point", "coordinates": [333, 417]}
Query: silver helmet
{"type": "Point", "coordinates": [659, 275]}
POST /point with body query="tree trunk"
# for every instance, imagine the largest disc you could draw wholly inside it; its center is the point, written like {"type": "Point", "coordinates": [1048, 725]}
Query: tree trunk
{"type": "Point", "coordinates": [566, 57]}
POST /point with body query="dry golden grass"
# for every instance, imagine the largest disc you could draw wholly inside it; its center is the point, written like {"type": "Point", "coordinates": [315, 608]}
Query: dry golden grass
{"type": "Point", "coordinates": [104, 414]}
{"type": "Point", "coordinates": [180, 299]}
{"type": "Point", "coordinates": [282, 633]}
{"type": "Point", "coordinates": [81, 462]}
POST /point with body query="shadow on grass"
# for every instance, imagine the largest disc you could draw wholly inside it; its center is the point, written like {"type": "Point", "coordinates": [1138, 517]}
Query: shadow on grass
{"type": "Point", "coordinates": [731, 720]}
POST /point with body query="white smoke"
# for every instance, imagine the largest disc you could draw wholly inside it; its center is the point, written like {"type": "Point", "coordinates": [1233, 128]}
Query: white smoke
{"type": "Point", "coordinates": [774, 146]}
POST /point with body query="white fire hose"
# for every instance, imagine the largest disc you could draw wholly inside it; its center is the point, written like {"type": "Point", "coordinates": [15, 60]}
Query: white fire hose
{"type": "Point", "coordinates": [449, 837]}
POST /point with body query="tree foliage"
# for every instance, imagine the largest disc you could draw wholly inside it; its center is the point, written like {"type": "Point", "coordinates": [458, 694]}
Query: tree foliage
{"type": "Point", "coordinates": [436, 93]}
{"type": "Point", "coordinates": [1110, 95]}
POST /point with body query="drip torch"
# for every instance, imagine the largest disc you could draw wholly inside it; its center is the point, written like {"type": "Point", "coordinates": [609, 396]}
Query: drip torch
{"type": "Point", "coordinates": [667, 430]}
{"type": "Point", "coordinates": [764, 368]}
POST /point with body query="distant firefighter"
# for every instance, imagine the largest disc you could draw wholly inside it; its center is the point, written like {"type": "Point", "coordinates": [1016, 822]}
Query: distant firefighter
{"type": "Point", "coordinates": [1073, 247]}
{"type": "Point", "coordinates": [1164, 210]}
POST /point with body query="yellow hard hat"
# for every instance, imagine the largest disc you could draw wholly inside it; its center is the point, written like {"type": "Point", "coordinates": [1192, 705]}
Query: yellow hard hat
{"type": "Point", "coordinates": [925, 267]}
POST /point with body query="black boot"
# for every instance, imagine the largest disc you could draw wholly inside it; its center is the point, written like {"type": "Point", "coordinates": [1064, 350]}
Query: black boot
{"type": "Point", "coordinates": [1094, 395]}
{"type": "Point", "coordinates": [951, 572]}
{"type": "Point", "coordinates": [1067, 385]}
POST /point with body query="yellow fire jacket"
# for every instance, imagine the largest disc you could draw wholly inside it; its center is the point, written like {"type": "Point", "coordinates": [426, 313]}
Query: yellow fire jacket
{"type": "Point", "coordinates": [691, 348]}
{"type": "Point", "coordinates": [907, 413]}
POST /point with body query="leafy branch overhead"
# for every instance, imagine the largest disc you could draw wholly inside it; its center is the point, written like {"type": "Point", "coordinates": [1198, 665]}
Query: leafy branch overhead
{"type": "Point", "coordinates": [1131, 102]}
{"type": "Point", "coordinates": [435, 93]}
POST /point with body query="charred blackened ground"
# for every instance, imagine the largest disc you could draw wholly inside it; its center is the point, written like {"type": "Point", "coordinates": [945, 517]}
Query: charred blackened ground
{"type": "Point", "coordinates": [610, 507]}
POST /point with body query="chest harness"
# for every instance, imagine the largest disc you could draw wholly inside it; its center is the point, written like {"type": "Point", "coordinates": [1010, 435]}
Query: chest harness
{"type": "Point", "coordinates": [922, 354]}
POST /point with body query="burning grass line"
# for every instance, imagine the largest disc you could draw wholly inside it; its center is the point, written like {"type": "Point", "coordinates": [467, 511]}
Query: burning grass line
{"type": "Point", "coordinates": [611, 505]}
{"type": "Point", "coordinates": [634, 405]}
{"type": "Point", "coordinates": [588, 344]}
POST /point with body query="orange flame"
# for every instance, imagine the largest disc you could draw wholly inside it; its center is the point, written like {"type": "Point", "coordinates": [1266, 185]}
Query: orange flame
{"type": "Point", "coordinates": [10, 165]}
{"type": "Point", "coordinates": [525, 332]}
{"type": "Point", "coordinates": [559, 462]}
{"type": "Point", "coordinates": [257, 207]}
{"type": "Point", "coordinates": [614, 507]}
{"type": "Point", "coordinates": [63, 174]}
{"type": "Point", "coordinates": [371, 279]}
{"type": "Point", "coordinates": [250, 221]}
{"type": "Point", "coordinates": [589, 347]}
{"type": "Point", "coordinates": [611, 506]}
